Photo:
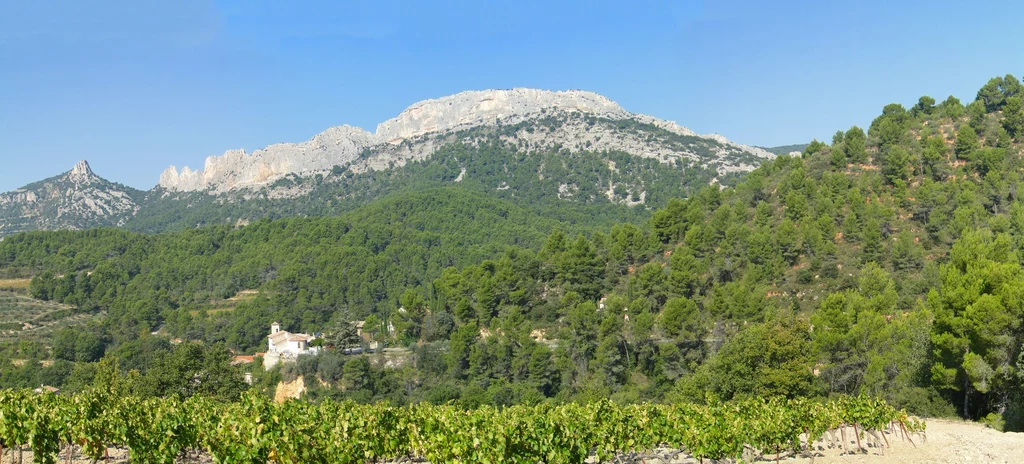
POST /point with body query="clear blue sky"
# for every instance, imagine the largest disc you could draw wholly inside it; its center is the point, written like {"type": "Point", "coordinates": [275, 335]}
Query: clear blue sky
{"type": "Point", "coordinates": [134, 86]}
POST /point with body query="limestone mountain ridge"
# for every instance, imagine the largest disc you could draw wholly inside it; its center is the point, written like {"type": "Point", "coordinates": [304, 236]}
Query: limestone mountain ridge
{"type": "Point", "coordinates": [421, 128]}
{"type": "Point", "coordinates": [565, 154]}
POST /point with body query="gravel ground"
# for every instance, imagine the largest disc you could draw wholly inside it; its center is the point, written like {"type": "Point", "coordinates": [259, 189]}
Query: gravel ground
{"type": "Point", "coordinates": [947, 442]}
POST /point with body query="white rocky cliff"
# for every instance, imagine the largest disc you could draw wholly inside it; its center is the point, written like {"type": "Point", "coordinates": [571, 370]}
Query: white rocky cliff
{"type": "Point", "coordinates": [81, 173]}
{"type": "Point", "coordinates": [236, 168]}
{"type": "Point", "coordinates": [342, 146]}
{"type": "Point", "coordinates": [479, 108]}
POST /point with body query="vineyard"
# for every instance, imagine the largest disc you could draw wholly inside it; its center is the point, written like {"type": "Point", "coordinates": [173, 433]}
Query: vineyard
{"type": "Point", "coordinates": [23, 318]}
{"type": "Point", "coordinates": [256, 430]}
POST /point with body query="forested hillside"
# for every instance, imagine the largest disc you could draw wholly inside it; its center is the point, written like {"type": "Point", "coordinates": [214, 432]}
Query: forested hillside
{"type": "Point", "coordinates": [886, 262]}
{"type": "Point", "coordinates": [312, 267]}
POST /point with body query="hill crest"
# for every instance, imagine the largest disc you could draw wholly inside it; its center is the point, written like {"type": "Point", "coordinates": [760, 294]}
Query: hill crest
{"type": "Point", "coordinates": [416, 125]}
{"type": "Point", "coordinates": [75, 199]}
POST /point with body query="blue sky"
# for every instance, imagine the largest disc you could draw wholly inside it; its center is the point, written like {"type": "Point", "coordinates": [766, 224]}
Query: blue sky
{"type": "Point", "coordinates": [136, 86]}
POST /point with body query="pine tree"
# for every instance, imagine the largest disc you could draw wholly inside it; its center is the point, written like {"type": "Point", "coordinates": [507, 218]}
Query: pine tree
{"type": "Point", "coordinates": [1013, 117]}
{"type": "Point", "coordinates": [966, 142]}
{"type": "Point", "coordinates": [856, 143]}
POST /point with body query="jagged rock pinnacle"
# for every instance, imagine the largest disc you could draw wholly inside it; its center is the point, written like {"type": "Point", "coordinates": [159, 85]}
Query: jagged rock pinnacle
{"type": "Point", "coordinates": [73, 200]}
{"type": "Point", "coordinates": [81, 172]}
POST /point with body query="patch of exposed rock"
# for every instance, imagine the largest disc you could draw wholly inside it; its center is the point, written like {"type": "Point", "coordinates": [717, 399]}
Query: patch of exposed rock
{"type": "Point", "coordinates": [423, 127]}
{"type": "Point", "coordinates": [289, 390]}
{"type": "Point", "coordinates": [236, 168]}
{"type": "Point", "coordinates": [76, 199]}
{"type": "Point", "coordinates": [486, 107]}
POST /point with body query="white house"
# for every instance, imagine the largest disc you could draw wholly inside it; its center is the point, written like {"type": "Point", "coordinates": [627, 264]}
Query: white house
{"type": "Point", "coordinates": [284, 346]}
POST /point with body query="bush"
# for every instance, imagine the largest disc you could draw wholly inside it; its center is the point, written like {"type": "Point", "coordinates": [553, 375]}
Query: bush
{"type": "Point", "coordinates": [308, 366]}
{"type": "Point", "coordinates": [473, 397]}
{"type": "Point", "coordinates": [805, 276]}
{"type": "Point", "coordinates": [993, 420]}
{"type": "Point", "coordinates": [1013, 417]}
{"type": "Point", "coordinates": [330, 368]}
{"type": "Point", "coordinates": [924, 402]}
{"type": "Point", "coordinates": [289, 372]}
{"type": "Point", "coordinates": [442, 394]}
{"type": "Point", "coordinates": [829, 271]}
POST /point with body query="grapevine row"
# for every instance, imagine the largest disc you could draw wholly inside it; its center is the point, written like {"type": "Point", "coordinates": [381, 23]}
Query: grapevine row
{"type": "Point", "coordinates": [256, 430]}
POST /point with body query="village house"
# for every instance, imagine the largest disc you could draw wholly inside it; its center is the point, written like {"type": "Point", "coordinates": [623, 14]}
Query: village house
{"type": "Point", "coordinates": [47, 389]}
{"type": "Point", "coordinates": [242, 360]}
{"type": "Point", "coordinates": [285, 347]}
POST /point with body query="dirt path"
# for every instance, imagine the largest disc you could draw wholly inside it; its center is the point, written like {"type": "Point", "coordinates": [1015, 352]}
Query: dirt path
{"type": "Point", "coordinates": [947, 442]}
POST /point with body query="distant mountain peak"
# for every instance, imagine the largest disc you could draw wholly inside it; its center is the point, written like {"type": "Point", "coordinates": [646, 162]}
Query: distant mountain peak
{"type": "Point", "coordinates": [76, 199]}
{"type": "Point", "coordinates": [481, 107]}
{"type": "Point", "coordinates": [81, 172]}
{"type": "Point", "coordinates": [350, 146]}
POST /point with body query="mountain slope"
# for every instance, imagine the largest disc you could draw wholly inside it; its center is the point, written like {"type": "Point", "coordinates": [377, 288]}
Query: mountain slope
{"type": "Point", "coordinates": [77, 199]}
{"type": "Point", "coordinates": [887, 263]}
{"type": "Point", "coordinates": [574, 156]}
{"type": "Point", "coordinates": [586, 120]}
{"type": "Point", "coordinates": [363, 259]}
{"type": "Point", "coordinates": [577, 186]}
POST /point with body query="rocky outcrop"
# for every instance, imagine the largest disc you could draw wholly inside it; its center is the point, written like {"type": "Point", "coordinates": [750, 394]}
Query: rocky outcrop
{"type": "Point", "coordinates": [289, 390]}
{"type": "Point", "coordinates": [415, 133]}
{"type": "Point", "coordinates": [81, 173]}
{"type": "Point", "coordinates": [236, 168]}
{"type": "Point", "coordinates": [486, 107]}
{"type": "Point", "coordinates": [76, 199]}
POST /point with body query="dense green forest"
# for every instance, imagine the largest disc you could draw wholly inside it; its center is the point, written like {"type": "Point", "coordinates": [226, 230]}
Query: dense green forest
{"type": "Point", "coordinates": [308, 268]}
{"type": "Point", "coordinates": [885, 262]}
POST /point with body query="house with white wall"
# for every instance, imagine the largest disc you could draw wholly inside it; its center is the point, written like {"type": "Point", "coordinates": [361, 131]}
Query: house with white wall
{"type": "Point", "coordinates": [284, 346]}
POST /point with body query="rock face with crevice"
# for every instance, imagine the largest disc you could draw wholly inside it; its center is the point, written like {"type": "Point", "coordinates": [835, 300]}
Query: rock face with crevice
{"type": "Point", "coordinates": [587, 121]}
{"type": "Point", "coordinates": [76, 199]}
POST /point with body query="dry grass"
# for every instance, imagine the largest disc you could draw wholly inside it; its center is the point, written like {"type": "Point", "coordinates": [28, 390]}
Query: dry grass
{"type": "Point", "coordinates": [228, 305]}
{"type": "Point", "coordinates": [15, 285]}
{"type": "Point", "coordinates": [212, 310]}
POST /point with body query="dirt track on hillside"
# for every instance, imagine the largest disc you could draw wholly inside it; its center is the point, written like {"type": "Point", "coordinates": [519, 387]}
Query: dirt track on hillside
{"type": "Point", "coordinates": [947, 442]}
{"type": "Point", "coordinates": [944, 442]}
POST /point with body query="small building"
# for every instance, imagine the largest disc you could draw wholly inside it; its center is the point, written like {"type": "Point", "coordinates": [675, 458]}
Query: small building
{"type": "Point", "coordinates": [284, 346]}
{"type": "Point", "coordinates": [242, 360]}
{"type": "Point", "coordinates": [283, 341]}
